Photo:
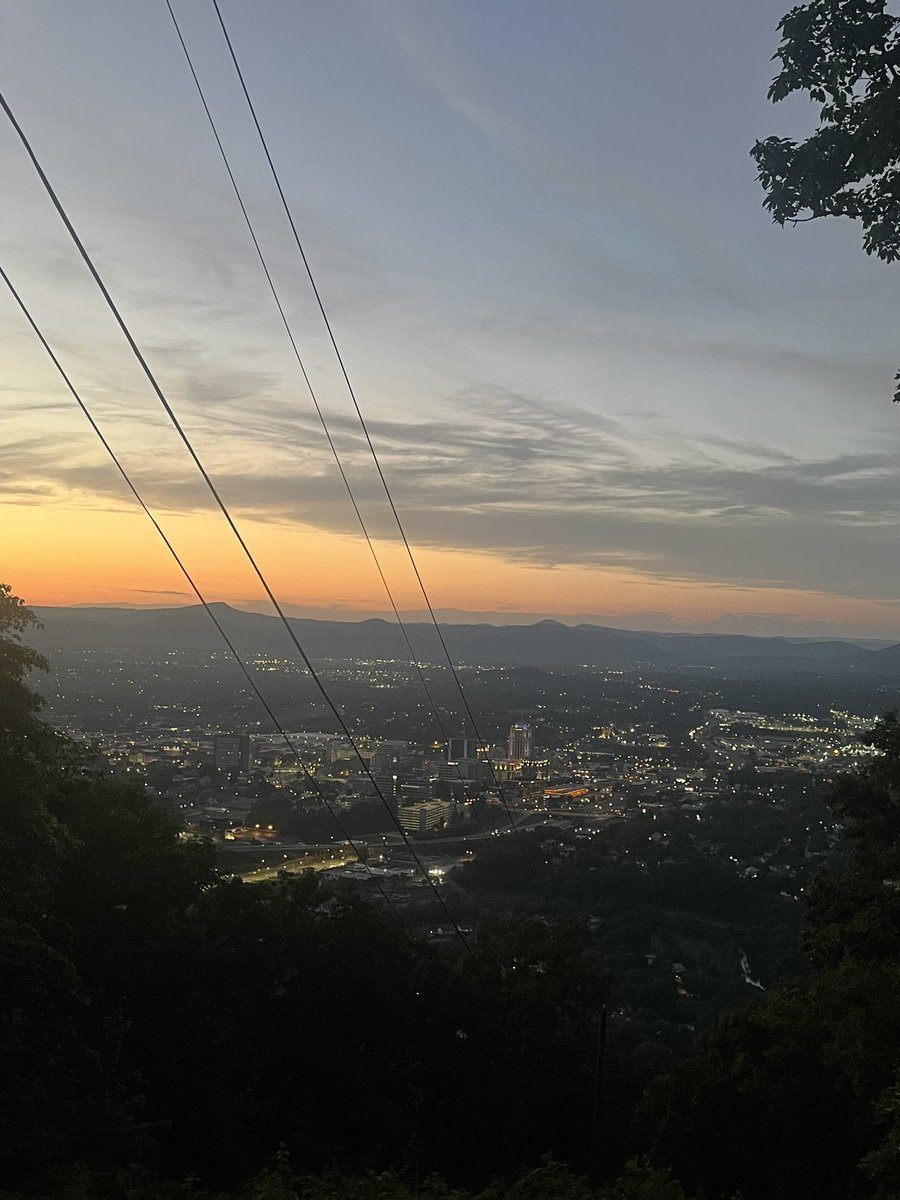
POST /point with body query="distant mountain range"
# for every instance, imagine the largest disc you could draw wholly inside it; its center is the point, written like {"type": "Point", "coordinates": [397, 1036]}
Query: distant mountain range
{"type": "Point", "coordinates": [143, 631]}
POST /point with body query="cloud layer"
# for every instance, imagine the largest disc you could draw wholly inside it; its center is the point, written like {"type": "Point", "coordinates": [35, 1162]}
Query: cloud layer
{"type": "Point", "coordinates": [575, 336]}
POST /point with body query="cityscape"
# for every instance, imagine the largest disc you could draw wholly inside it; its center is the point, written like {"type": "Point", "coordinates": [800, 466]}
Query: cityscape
{"type": "Point", "coordinates": [449, 620]}
{"type": "Point", "coordinates": [652, 746]}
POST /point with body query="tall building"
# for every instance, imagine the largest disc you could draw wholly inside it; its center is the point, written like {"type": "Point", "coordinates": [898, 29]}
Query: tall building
{"type": "Point", "coordinates": [462, 747]}
{"type": "Point", "coordinates": [521, 743]}
{"type": "Point", "coordinates": [233, 751]}
{"type": "Point", "coordinates": [430, 814]}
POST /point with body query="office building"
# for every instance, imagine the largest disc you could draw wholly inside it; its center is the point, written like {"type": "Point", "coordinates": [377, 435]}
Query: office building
{"type": "Point", "coordinates": [430, 814]}
{"type": "Point", "coordinates": [233, 751]}
{"type": "Point", "coordinates": [462, 747]}
{"type": "Point", "coordinates": [521, 743]}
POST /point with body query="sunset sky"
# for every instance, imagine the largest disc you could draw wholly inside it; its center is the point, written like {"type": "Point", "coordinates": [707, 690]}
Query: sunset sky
{"type": "Point", "coordinates": [603, 385]}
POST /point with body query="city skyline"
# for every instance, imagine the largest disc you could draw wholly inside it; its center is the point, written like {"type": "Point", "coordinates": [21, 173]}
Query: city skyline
{"type": "Point", "coordinates": [602, 385]}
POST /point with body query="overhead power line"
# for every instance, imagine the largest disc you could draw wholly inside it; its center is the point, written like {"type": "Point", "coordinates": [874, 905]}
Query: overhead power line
{"type": "Point", "coordinates": [305, 374]}
{"type": "Point", "coordinates": [223, 508]}
{"type": "Point", "coordinates": [310, 775]}
{"type": "Point", "coordinates": [365, 429]}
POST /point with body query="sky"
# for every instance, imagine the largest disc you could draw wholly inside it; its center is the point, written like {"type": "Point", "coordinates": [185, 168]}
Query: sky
{"type": "Point", "coordinates": [602, 384]}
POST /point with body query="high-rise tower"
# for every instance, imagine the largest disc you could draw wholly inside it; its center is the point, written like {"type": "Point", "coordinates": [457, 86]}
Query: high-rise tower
{"type": "Point", "coordinates": [461, 747]}
{"type": "Point", "coordinates": [521, 742]}
{"type": "Point", "coordinates": [233, 751]}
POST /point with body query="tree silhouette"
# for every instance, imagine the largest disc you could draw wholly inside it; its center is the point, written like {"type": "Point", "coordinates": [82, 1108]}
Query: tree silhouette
{"type": "Point", "coordinates": [845, 55]}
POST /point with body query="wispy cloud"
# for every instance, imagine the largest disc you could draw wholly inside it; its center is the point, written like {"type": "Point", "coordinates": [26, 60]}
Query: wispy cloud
{"type": "Point", "coordinates": [532, 481]}
{"type": "Point", "coordinates": [158, 592]}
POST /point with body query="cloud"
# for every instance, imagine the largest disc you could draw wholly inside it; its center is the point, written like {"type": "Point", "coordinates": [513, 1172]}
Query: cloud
{"type": "Point", "coordinates": [158, 592]}
{"type": "Point", "coordinates": [461, 93]}
{"type": "Point", "coordinates": [540, 482]}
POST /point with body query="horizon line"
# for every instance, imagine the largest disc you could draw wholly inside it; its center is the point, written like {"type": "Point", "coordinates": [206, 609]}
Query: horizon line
{"type": "Point", "coordinates": [617, 622]}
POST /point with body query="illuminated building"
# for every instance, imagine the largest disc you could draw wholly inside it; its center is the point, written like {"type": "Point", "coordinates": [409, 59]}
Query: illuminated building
{"type": "Point", "coordinates": [521, 743]}
{"type": "Point", "coordinates": [431, 814]}
{"type": "Point", "coordinates": [232, 751]}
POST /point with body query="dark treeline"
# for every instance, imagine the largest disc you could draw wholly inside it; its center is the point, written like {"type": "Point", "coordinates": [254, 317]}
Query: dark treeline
{"type": "Point", "coordinates": [165, 1032]}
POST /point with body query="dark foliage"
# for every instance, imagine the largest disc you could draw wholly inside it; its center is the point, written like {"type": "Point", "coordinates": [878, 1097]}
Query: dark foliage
{"type": "Point", "coordinates": [159, 1023]}
{"type": "Point", "coordinates": [153, 1012]}
{"type": "Point", "coordinates": [845, 56]}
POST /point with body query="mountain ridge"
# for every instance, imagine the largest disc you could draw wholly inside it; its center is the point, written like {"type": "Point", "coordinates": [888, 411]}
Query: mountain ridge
{"type": "Point", "coordinates": [546, 643]}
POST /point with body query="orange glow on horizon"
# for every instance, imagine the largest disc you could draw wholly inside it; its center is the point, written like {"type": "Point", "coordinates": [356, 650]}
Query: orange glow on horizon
{"type": "Point", "coordinates": [88, 555]}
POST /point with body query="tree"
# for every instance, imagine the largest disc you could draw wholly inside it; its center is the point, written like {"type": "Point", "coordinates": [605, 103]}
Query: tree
{"type": "Point", "coordinates": [16, 660]}
{"type": "Point", "coordinates": [845, 55]}
{"type": "Point", "coordinates": [809, 1073]}
{"type": "Point", "coordinates": [61, 1092]}
{"type": "Point", "coordinates": [32, 841]}
{"type": "Point", "coordinates": [854, 912]}
{"type": "Point", "coordinates": [95, 883]}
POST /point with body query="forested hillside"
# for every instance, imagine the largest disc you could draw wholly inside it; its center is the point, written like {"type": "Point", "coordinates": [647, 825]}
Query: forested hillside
{"type": "Point", "coordinates": [161, 1024]}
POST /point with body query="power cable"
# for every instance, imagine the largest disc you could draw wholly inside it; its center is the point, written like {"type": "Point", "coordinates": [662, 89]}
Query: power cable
{"type": "Point", "coordinates": [306, 379]}
{"type": "Point", "coordinates": [223, 508]}
{"type": "Point", "coordinates": [191, 582]}
{"type": "Point", "coordinates": [364, 426]}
